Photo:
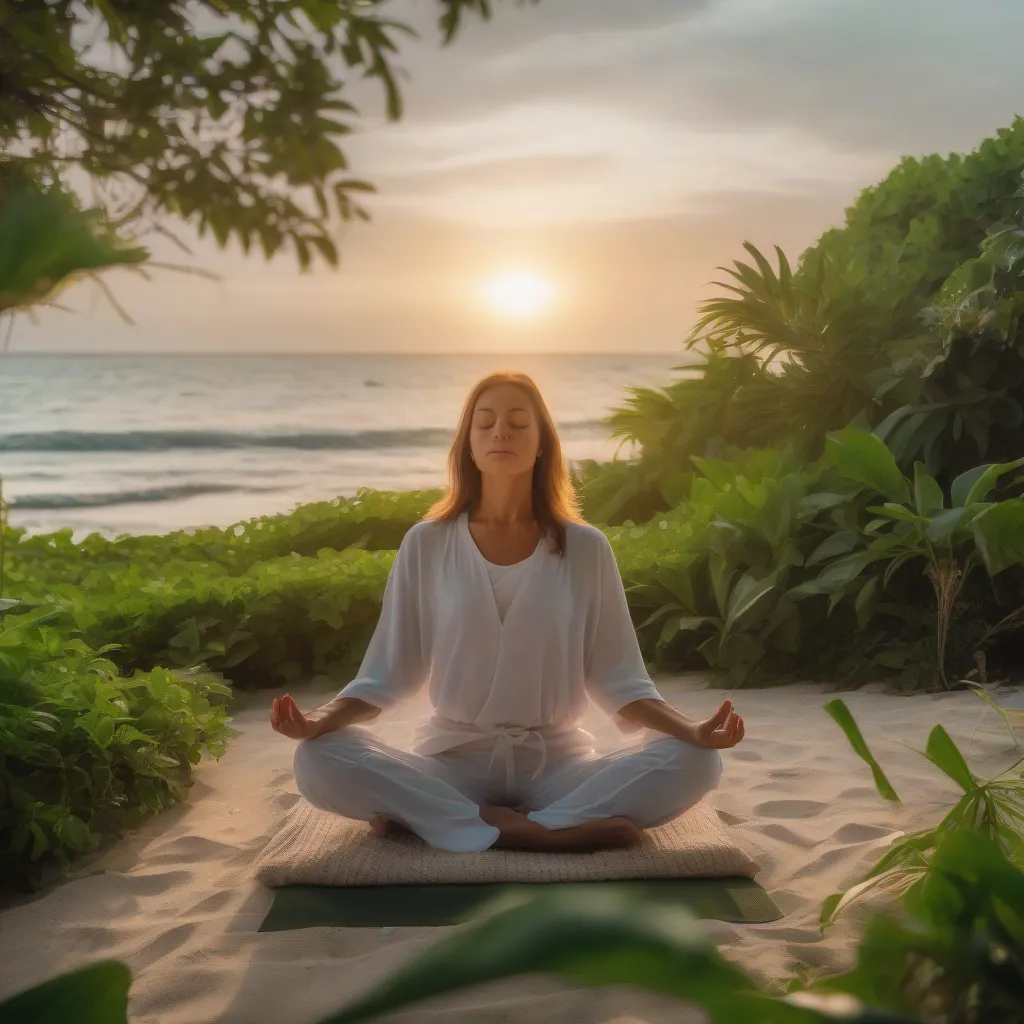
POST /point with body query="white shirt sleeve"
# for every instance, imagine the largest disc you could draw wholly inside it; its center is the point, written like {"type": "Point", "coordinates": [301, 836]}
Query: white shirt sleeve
{"type": "Point", "coordinates": [395, 664]}
{"type": "Point", "coordinates": [615, 674]}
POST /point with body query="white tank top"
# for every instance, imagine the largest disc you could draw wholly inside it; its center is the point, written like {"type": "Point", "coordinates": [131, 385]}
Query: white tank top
{"type": "Point", "coordinates": [505, 580]}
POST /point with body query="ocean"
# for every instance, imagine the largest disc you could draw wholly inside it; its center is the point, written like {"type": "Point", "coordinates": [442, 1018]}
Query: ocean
{"type": "Point", "coordinates": [151, 443]}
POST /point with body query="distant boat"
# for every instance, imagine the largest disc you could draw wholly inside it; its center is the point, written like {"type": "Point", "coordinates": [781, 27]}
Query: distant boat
{"type": "Point", "coordinates": [371, 383]}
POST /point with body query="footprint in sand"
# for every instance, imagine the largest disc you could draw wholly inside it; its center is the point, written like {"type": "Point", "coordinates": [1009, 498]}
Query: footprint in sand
{"type": "Point", "coordinates": [747, 755]}
{"type": "Point", "coordinates": [858, 833]}
{"type": "Point", "coordinates": [164, 944]}
{"type": "Point", "coordinates": [790, 808]}
{"type": "Point", "coordinates": [773, 830]}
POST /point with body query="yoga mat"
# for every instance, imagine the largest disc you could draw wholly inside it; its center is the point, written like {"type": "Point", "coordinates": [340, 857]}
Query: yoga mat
{"type": "Point", "coordinates": [375, 906]}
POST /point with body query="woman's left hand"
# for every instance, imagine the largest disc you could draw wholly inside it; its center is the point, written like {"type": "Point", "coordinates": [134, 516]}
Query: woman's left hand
{"type": "Point", "coordinates": [722, 730]}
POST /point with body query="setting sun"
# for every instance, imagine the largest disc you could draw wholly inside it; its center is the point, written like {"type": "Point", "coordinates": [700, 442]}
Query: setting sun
{"type": "Point", "coordinates": [519, 294]}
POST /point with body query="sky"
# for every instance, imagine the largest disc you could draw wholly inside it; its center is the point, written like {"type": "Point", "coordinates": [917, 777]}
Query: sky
{"type": "Point", "coordinates": [618, 151]}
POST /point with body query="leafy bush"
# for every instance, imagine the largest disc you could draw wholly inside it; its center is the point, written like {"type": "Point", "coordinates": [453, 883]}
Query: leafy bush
{"type": "Point", "coordinates": [908, 319]}
{"type": "Point", "coordinates": [87, 752]}
{"type": "Point", "coordinates": [915, 524]}
{"type": "Point", "coordinates": [374, 520]}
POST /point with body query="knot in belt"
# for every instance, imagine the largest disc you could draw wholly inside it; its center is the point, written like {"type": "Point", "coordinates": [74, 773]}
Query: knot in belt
{"type": "Point", "coordinates": [511, 736]}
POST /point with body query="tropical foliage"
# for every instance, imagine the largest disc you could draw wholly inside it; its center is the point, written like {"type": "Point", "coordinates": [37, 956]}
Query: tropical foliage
{"type": "Point", "coordinates": [229, 116]}
{"type": "Point", "coordinates": [87, 750]}
{"type": "Point", "coordinates": [906, 320]}
{"type": "Point", "coordinates": [883, 379]}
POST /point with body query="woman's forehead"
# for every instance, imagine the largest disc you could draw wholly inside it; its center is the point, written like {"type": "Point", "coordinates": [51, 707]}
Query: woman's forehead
{"type": "Point", "coordinates": [503, 397]}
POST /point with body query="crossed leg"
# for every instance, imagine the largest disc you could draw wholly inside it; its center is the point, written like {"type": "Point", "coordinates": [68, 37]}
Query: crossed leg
{"type": "Point", "coordinates": [581, 804]}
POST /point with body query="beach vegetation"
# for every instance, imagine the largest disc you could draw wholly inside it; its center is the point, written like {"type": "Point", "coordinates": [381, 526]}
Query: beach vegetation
{"type": "Point", "coordinates": [992, 807]}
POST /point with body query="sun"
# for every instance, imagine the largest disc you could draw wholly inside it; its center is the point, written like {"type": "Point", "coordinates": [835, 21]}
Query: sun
{"type": "Point", "coordinates": [519, 293]}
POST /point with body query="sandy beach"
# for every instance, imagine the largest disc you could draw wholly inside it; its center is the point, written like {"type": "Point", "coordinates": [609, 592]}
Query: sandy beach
{"type": "Point", "coordinates": [174, 902]}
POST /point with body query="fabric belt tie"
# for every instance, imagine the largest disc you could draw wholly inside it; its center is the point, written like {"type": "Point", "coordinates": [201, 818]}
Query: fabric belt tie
{"type": "Point", "coordinates": [508, 738]}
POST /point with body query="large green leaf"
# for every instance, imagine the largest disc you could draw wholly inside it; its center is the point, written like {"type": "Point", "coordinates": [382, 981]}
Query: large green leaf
{"type": "Point", "coordinates": [840, 713]}
{"type": "Point", "coordinates": [864, 458]}
{"type": "Point", "coordinates": [595, 940]}
{"type": "Point", "coordinates": [97, 994]}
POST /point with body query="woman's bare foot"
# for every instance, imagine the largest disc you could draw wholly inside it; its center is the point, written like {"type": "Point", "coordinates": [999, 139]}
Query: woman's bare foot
{"type": "Point", "coordinates": [519, 833]}
{"type": "Point", "coordinates": [387, 828]}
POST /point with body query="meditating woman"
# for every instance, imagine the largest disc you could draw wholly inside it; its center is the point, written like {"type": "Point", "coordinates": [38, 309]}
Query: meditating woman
{"type": "Point", "coordinates": [510, 608]}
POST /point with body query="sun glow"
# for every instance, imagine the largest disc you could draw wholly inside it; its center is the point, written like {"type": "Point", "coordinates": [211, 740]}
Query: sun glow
{"type": "Point", "coordinates": [519, 294]}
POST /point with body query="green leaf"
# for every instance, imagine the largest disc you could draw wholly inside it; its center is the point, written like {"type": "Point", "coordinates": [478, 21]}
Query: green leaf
{"type": "Point", "coordinates": [595, 939]}
{"type": "Point", "coordinates": [838, 544]}
{"type": "Point", "coordinates": [898, 512]}
{"type": "Point", "coordinates": [103, 733]}
{"type": "Point", "coordinates": [722, 574]}
{"type": "Point", "coordinates": [864, 458]}
{"type": "Point", "coordinates": [681, 623]}
{"type": "Point", "coordinates": [865, 603]}
{"type": "Point", "coordinates": [945, 754]}
{"type": "Point", "coordinates": [842, 571]}
{"type": "Point", "coordinates": [975, 485]}
{"type": "Point", "coordinates": [817, 502]}
{"type": "Point", "coordinates": [945, 524]}
{"type": "Point", "coordinates": [748, 593]}
{"type": "Point", "coordinates": [74, 832]}
{"type": "Point", "coordinates": [927, 493]}
{"type": "Point", "coordinates": [999, 535]}
{"type": "Point", "coordinates": [97, 994]}
{"type": "Point", "coordinates": [840, 713]}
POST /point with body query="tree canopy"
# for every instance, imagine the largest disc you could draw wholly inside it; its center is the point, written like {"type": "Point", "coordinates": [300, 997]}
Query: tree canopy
{"type": "Point", "coordinates": [227, 114]}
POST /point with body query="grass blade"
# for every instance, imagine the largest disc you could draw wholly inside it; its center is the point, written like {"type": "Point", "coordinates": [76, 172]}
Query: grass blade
{"type": "Point", "coordinates": [840, 713]}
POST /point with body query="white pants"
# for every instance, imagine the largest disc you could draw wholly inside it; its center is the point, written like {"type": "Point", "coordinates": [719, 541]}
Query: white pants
{"type": "Point", "coordinates": [353, 772]}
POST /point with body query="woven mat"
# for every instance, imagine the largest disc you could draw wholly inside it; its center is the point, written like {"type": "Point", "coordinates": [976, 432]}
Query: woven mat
{"type": "Point", "coordinates": [316, 847]}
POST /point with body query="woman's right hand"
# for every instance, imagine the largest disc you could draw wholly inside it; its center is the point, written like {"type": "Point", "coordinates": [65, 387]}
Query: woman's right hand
{"type": "Point", "coordinates": [287, 719]}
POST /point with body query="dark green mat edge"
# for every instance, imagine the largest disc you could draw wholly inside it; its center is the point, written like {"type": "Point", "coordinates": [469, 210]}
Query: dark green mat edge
{"type": "Point", "coordinates": [738, 900]}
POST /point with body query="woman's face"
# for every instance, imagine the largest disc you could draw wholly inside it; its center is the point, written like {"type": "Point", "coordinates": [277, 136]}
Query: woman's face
{"type": "Point", "coordinates": [505, 434]}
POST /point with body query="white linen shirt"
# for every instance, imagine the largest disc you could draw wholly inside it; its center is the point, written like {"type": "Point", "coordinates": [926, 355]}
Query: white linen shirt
{"type": "Point", "coordinates": [566, 639]}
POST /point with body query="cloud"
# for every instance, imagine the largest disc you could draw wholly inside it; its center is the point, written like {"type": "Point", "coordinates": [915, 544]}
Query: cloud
{"type": "Point", "coordinates": [559, 161]}
{"type": "Point", "coordinates": [917, 75]}
{"type": "Point", "coordinates": [630, 146]}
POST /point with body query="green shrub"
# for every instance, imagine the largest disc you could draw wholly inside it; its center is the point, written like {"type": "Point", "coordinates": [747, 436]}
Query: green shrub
{"type": "Point", "coordinates": [88, 752]}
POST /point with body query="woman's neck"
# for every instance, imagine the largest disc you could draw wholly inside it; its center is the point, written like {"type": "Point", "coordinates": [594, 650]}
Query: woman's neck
{"type": "Point", "coordinates": [505, 499]}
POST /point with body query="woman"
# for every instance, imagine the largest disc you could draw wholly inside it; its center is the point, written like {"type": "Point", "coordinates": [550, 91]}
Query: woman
{"type": "Point", "coordinates": [511, 608]}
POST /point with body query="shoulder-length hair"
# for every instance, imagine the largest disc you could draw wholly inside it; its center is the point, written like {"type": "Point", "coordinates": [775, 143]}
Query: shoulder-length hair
{"type": "Point", "coordinates": [555, 501]}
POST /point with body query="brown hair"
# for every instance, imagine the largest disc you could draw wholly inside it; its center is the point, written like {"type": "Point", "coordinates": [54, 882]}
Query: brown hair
{"type": "Point", "coordinates": [555, 501]}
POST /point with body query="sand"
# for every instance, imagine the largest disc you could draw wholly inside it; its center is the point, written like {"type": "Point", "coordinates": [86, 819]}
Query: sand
{"type": "Point", "coordinates": [173, 901]}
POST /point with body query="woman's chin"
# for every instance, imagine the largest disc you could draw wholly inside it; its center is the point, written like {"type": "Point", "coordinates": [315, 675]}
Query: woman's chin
{"type": "Point", "coordinates": [505, 465]}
